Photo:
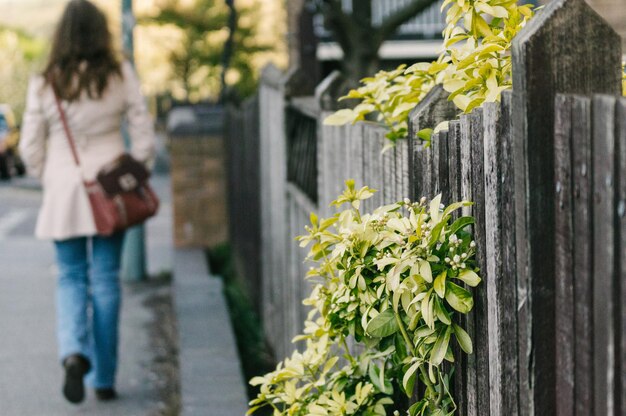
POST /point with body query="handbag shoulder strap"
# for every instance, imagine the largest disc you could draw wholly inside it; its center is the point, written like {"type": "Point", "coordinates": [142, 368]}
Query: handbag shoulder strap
{"type": "Point", "coordinates": [66, 127]}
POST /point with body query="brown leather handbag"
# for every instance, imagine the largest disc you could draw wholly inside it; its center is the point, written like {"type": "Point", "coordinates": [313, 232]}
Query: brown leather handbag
{"type": "Point", "coordinates": [121, 196]}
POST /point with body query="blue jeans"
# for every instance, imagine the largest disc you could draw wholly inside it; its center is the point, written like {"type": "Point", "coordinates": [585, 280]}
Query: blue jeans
{"type": "Point", "coordinates": [88, 303]}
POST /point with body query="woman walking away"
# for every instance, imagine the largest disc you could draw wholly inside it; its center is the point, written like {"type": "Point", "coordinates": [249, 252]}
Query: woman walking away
{"type": "Point", "coordinates": [95, 92]}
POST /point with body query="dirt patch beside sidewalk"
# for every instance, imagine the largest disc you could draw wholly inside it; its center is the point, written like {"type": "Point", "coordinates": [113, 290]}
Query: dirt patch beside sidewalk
{"type": "Point", "coordinates": [164, 367]}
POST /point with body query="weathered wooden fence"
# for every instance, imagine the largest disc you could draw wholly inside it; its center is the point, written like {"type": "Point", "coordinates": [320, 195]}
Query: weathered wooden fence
{"type": "Point", "coordinates": [590, 154]}
{"type": "Point", "coordinates": [243, 163]}
{"type": "Point", "coordinates": [549, 318]}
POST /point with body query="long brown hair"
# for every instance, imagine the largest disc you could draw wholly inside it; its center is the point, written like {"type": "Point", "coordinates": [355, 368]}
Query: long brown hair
{"type": "Point", "coordinates": [82, 58]}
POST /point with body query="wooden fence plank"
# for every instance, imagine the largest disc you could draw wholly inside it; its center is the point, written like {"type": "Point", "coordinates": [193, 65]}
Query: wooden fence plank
{"type": "Point", "coordinates": [355, 154]}
{"type": "Point", "coordinates": [366, 162]}
{"type": "Point", "coordinates": [545, 62]}
{"type": "Point", "coordinates": [508, 283]}
{"type": "Point", "coordinates": [565, 350]}
{"type": "Point", "coordinates": [491, 114]}
{"type": "Point", "coordinates": [454, 163]}
{"type": "Point", "coordinates": [402, 169]}
{"type": "Point", "coordinates": [603, 253]}
{"type": "Point", "coordinates": [432, 110]}
{"type": "Point", "coordinates": [332, 154]}
{"type": "Point", "coordinates": [322, 163]}
{"type": "Point", "coordinates": [388, 181]}
{"type": "Point", "coordinates": [420, 174]}
{"type": "Point", "coordinates": [481, 337]}
{"type": "Point", "coordinates": [583, 273]}
{"type": "Point", "coordinates": [620, 116]}
{"type": "Point", "coordinates": [376, 166]}
{"type": "Point", "coordinates": [273, 181]}
{"type": "Point", "coordinates": [500, 285]}
{"type": "Point", "coordinates": [244, 196]}
{"type": "Point", "coordinates": [341, 157]}
{"type": "Point", "coordinates": [454, 180]}
{"type": "Point", "coordinates": [440, 164]}
{"type": "Point", "coordinates": [292, 278]}
{"type": "Point", "coordinates": [469, 388]}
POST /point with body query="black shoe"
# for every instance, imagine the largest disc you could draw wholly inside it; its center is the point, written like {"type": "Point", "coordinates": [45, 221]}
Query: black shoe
{"type": "Point", "coordinates": [76, 366]}
{"type": "Point", "coordinates": [106, 394]}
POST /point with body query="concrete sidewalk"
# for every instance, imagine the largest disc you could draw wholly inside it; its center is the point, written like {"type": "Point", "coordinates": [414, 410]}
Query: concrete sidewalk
{"type": "Point", "coordinates": [30, 375]}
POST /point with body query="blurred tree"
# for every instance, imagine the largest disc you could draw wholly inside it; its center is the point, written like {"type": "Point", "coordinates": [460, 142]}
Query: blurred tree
{"type": "Point", "coordinates": [359, 38]}
{"type": "Point", "coordinates": [21, 56]}
{"type": "Point", "coordinates": [227, 53]}
{"type": "Point", "coordinates": [201, 60]}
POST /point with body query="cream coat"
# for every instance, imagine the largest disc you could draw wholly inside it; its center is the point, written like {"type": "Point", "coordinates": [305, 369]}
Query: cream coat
{"type": "Point", "coordinates": [95, 125]}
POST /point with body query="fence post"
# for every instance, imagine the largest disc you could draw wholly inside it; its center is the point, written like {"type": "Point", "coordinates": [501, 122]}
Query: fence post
{"type": "Point", "coordinates": [566, 48]}
{"type": "Point", "coordinates": [273, 181]}
{"type": "Point", "coordinates": [432, 110]}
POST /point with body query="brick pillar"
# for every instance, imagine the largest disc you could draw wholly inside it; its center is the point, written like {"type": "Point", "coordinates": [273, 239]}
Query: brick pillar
{"type": "Point", "coordinates": [199, 191]}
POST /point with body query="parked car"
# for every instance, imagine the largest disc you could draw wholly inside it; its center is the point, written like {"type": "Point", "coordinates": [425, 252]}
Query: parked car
{"type": "Point", "coordinates": [10, 162]}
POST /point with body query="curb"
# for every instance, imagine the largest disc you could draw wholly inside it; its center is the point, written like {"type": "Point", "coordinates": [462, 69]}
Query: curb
{"type": "Point", "coordinates": [28, 183]}
{"type": "Point", "coordinates": [210, 371]}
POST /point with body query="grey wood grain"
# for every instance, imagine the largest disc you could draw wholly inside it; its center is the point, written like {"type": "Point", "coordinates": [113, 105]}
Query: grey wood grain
{"type": "Point", "coordinates": [546, 60]}
{"type": "Point", "coordinates": [469, 388]}
{"type": "Point", "coordinates": [432, 110]}
{"type": "Point", "coordinates": [343, 157]}
{"type": "Point", "coordinates": [565, 340]}
{"type": "Point", "coordinates": [508, 280]}
{"type": "Point", "coordinates": [388, 176]}
{"type": "Point", "coordinates": [481, 337]}
{"type": "Point", "coordinates": [419, 174]}
{"type": "Point", "coordinates": [376, 164]}
{"type": "Point", "coordinates": [603, 152]}
{"type": "Point", "coordinates": [292, 300]}
{"type": "Point", "coordinates": [355, 154]}
{"type": "Point", "coordinates": [322, 164]}
{"type": "Point", "coordinates": [402, 166]}
{"type": "Point", "coordinates": [583, 272]}
{"type": "Point", "coordinates": [454, 180]}
{"type": "Point", "coordinates": [440, 164]}
{"type": "Point", "coordinates": [491, 114]}
{"type": "Point", "coordinates": [454, 163]}
{"type": "Point", "coordinates": [273, 181]}
{"type": "Point", "coordinates": [365, 166]}
{"type": "Point", "coordinates": [620, 141]}
{"type": "Point", "coordinates": [500, 284]}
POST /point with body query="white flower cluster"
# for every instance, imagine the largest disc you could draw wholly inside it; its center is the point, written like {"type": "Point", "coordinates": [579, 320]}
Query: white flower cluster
{"type": "Point", "coordinates": [457, 261]}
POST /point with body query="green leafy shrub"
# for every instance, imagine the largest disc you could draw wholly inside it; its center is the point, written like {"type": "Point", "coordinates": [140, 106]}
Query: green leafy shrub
{"type": "Point", "coordinates": [393, 283]}
{"type": "Point", "coordinates": [474, 67]}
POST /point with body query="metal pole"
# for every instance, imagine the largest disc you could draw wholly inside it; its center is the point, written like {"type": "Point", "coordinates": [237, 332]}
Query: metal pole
{"type": "Point", "coordinates": [134, 250]}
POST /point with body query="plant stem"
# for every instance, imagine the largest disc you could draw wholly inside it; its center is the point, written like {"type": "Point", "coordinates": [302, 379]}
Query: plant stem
{"type": "Point", "coordinates": [405, 335]}
{"type": "Point", "coordinates": [444, 387]}
{"type": "Point", "coordinates": [441, 390]}
{"type": "Point", "coordinates": [344, 344]}
{"type": "Point", "coordinates": [429, 384]}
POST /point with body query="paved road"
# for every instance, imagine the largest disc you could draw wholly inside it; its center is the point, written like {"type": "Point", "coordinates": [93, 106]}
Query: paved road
{"type": "Point", "coordinates": [30, 375]}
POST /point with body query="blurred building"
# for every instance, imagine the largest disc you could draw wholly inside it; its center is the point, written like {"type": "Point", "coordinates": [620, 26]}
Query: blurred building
{"type": "Point", "coordinates": [418, 40]}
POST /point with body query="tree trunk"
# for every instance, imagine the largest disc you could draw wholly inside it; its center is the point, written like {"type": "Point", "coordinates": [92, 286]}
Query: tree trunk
{"type": "Point", "coordinates": [359, 38]}
{"type": "Point", "coordinates": [228, 47]}
{"type": "Point", "coordinates": [360, 62]}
